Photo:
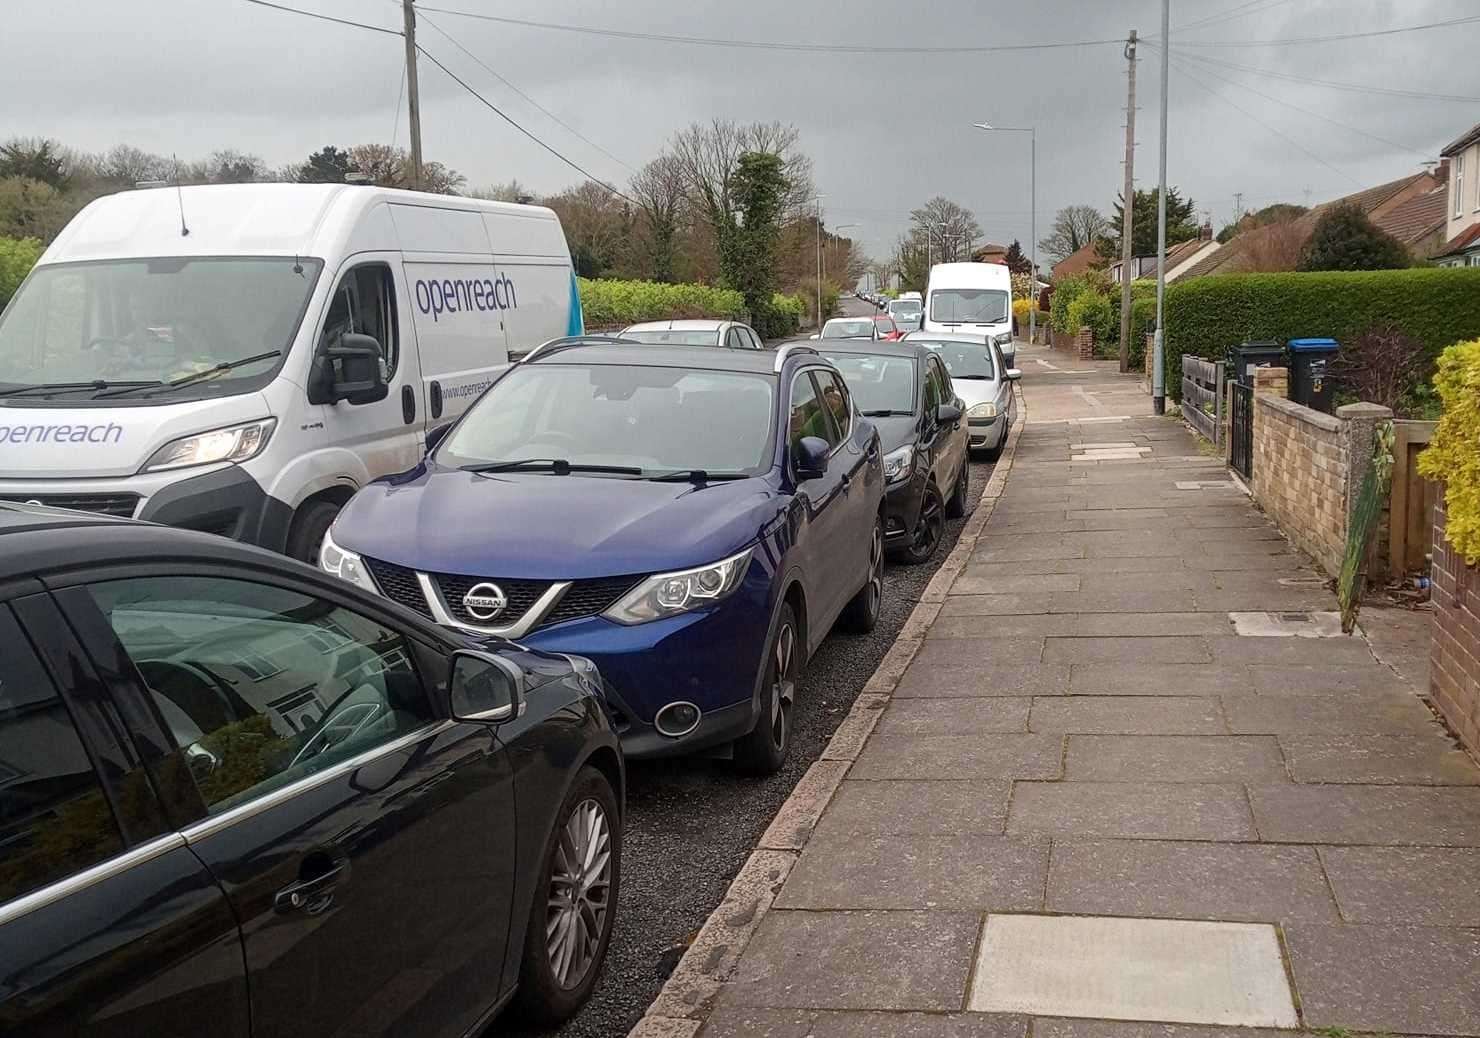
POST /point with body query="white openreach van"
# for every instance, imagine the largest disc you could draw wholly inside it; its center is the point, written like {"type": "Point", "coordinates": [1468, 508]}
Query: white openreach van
{"type": "Point", "coordinates": [243, 358]}
{"type": "Point", "coordinates": [972, 299]}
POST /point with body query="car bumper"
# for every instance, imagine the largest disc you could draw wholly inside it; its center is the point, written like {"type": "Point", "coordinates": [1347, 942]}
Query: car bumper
{"type": "Point", "coordinates": [986, 433]}
{"type": "Point", "coordinates": [901, 512]}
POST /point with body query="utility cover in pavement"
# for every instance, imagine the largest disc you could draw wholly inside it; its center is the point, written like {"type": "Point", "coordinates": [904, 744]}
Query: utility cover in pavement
{"type": "Point", "coordinates": [1287, 625]}
{"type": "Point", "coordinates": [1168, 970]}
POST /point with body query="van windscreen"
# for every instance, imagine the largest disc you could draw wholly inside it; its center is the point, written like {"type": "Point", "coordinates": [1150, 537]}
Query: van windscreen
{"type": "Point", "coordinates": [148, 321]}
{"type": "Point", "coordinates": [968, 306]}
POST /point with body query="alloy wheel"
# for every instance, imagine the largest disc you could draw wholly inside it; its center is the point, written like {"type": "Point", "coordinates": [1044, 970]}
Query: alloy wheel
{"type": "Point", "coordinates": [580, 885]}
{"type": "Point", "coordinates": [928, 529]}
{"type": "Point", "coordinates": [876, 569]}
{"type": "Point", "coordinates": [783, 689]}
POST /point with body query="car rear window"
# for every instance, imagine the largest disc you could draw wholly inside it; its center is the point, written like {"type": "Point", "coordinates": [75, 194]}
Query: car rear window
{"type": "Point", "coordinates": [675, 337]}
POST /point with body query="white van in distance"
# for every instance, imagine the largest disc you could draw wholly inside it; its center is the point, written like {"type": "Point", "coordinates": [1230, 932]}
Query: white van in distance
{"type": "Point", "coordinates": [241, 359]}
{"type": "Point", "coordinates": [972, 299]}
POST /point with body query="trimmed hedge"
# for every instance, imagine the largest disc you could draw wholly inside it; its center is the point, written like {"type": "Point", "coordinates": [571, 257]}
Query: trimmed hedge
{"type": "Point", "coordinates": [1143, 320]}
{"type": "Point", "coordinates": [17, 257]}
{"type": "Point", "coordinates": [1093, 311]}
{"type": "Point", "coordinates": [1208, 316]}
{"type": "Point", "coordinates": [613, 304]}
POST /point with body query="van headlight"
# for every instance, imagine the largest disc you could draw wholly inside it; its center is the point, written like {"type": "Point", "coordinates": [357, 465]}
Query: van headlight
{"type": "Point", "coordinates": [1003, 339]}
{"type": "Point", "coordinates": [899, 463]}
{"type": "Point", "coordinates": [669, 594]}
{"type": "Point", "coordinates": [345, 565]}
{"type": "Point", "coordinates": [235, 444]}
{"type": "Point", "coordinates": [988, 410]}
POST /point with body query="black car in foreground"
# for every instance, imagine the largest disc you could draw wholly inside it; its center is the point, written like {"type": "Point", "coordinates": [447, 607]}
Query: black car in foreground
{"type": "Point", "coordinates": [241, 797]}
{"type": "Point", "coordinates": [906, 392]}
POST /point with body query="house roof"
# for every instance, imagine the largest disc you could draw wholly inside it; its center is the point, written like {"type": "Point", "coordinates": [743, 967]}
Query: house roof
{"type": "Point", "coordinates": [1464, 241]}
{"type": "Point", "coordinates": [1461, 143]}
{"type": "Point", "coordinates": [1373, 197]}
{"type": "Point", "coordinates": [1176, 256]}
{"type": "Point", "coordinates": [1417, 218]}
{"type": "Point", "coordinates": [1077, 262]}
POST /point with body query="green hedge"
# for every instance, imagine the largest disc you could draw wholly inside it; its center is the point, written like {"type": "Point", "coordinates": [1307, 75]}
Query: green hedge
{"type": "Point", "coordinates": [1207, 316]}
{"type": "Point", "coordinates": [1093, 311]}
{"type": "Point", "coordinates": [17, 257]}
{"type": "Point", "coordinates": [1143, 319]}
{"type": "Point", "coordinates": [612, 304]}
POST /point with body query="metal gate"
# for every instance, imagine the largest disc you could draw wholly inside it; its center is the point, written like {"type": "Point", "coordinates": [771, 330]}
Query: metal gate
{"type": "Point", "coordinates": [1241, 429]}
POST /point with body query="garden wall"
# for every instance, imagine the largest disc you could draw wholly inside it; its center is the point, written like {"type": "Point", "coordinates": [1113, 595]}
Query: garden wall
{"type": "Point", "coordinates": [1454, 652]}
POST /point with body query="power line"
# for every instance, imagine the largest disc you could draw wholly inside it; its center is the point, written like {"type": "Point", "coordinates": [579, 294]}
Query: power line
{"type": "Point", "coordinates": [1229, 15]}
{"type": "Point", "coordinates": [1331, 39]}
{"type": "Point", "coordinates": [1360, 88]}
{"type": "Point", "coordinates": [496, 111]}
{"type": "Point", "coordinates": [486, 68]}
{"type": "Point", "coordinates": [326, 17]}
{"type": "Point", "coordinates": [811, 48]}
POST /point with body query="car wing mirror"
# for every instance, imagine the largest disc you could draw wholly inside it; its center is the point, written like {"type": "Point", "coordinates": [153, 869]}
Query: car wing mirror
{"type": "Point", "coordinates": [1013, 374]}
{"type": "Point", "coordinates": [437, 435]}
{"type": "Point", "coordinates": [809, 458]}
{"type": "Point", "coordinates": [947, 414]}
{"type": "Point", "coordinates": [484, 689]}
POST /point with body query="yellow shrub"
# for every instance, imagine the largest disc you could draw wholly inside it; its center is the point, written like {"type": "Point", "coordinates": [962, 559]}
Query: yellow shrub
{"type": "Point", "coordinates": [1020, 308]}
{"type": "Point", "coordinates": [1453, 457]}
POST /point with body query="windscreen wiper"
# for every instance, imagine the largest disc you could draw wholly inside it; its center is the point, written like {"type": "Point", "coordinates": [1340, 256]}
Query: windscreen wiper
{"type": "Point", "coordinates": [68, 387]}
{"type": "Point", "coordinates": [194, 376]}
{"type": "Point", "coordinates": [556, 466]}
{"type": "Point", "coordinates": [885, 412]}
{"type": "Point", "coordinates": [974, 378]}
{"type": "Point", "coordinates": [695, 476]}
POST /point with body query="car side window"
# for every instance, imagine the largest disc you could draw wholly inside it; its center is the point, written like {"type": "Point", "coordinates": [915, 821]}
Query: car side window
{"type": "Point", "coordinates": [808, 416]}
{"type": "Point", "coordinates": [839, 405]}
{"type": "Point", "coordinates": [755, 339]}
{"type": "Point", "coordinates": [932, 389]}
{"type": "Point", "coordinates": [942, 381]}
{"type": "Point", "coordinates": [734, 340]}
{"type": "Point", "coordinates": [54, 817]}
{"type": "Point", "coordinates": [364, 303]}
{"type": "Point", "coordinates": [261, 685]}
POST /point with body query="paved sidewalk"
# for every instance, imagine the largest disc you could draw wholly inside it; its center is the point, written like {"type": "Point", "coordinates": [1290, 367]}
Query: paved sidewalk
{"type": "Point", "coordinates": [1087, 799]}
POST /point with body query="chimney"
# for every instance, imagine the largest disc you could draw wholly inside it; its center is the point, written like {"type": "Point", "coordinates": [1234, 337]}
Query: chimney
{"type": "Point", "coordinates": [1205, 232]}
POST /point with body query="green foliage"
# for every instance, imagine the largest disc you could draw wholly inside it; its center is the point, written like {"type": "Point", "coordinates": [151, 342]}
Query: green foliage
{"type": "Point", "coordinates": [1067, 290]}
{"type": "Point", "coordinates": [1016, 260]}
{"type": "Point", "coordinates": [1020, 308]}
{"type": "Point", "coordinates": [1022, 287]}
{"type": "Point", "coordinates": [17, 257]}
{"type": "Point", "coordinates": [1208, 316]}
{"type": "Point", "coordinates": [1143, 320]}
{"type": "Point", "coordinates": [1344, 239]}
{"type": "Point", "coordinates": [1451, 457]}
{"type": "Point", "coordinates": [614, 304]}
{"type": "Point", "coordinates": [35, 159]}
{"type": "Point", "coordinates": [784, 317]}
{"type": "Point", "coordinates": [1181, 223]}
{"type": "Point", "coordinates": [1092, 310]}
{"type": "Point", "coordinates": [748, 246]}
{"type": "Point", "coordinates": [807, 293]}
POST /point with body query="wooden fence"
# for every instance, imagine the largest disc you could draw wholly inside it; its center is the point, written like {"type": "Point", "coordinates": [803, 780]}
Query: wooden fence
{"type": "Point", "coordinates": [1202, 396]}
{"type": "Point", "coordinates": [1411, 507]}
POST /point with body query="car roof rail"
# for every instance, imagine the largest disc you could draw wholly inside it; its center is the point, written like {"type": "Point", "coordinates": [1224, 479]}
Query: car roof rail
{"type": "Point", "coordinates": [566, 342]}
{"type": "Point", "coordinates": [788, 349]}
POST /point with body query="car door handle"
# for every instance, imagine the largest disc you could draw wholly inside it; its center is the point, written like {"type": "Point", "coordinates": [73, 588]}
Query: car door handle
{"type": "Point", "coordinates": [311, 895]}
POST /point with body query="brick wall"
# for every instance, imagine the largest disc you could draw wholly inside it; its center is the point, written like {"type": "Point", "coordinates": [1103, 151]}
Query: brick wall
{"type": "Point", "coordinates": [1084, 344]}
{"type": "Point", "coordinates": [1454, 653]}
{"type": "Point", "coordinates": [1300, 474]}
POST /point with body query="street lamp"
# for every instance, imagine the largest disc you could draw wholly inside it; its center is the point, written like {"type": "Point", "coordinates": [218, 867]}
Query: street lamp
{"type": "Point", "coordinates": [835, 230]}
{"type": "Point", "coordinates": [1032, 131]}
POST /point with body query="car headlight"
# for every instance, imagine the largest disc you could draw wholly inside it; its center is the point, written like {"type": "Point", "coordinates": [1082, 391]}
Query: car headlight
{"type": "Point", "coordinates": [345, 565]}
{"type": "Point", "coordinates": [1003, 339]}
{"type": "Point", "coordinates": [235, 444]}
{"type": "Point", "coordinates": [982, 411]}
{"type": "Point", "coordinates": [899, 463]}
{"type": "Point", "coordinates": [669, 594]}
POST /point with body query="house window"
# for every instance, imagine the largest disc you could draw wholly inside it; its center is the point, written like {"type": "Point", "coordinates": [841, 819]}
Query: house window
{"type": "Point", "coordinates": [1459, 184]}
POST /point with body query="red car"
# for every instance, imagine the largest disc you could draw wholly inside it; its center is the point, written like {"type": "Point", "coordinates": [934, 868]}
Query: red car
{"type": "Point", "coordinates": [885, 330]}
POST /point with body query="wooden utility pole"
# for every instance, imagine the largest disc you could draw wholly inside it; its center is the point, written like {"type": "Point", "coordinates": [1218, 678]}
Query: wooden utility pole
{"type": "Point", "coordinates": [413, 98]}
{"type": "Point", "coordinates": [1128, 208]}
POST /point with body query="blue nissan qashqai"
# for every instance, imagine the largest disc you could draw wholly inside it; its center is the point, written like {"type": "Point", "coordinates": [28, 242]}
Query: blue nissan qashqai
{"type": "Point", "coordinates": [693, 520]}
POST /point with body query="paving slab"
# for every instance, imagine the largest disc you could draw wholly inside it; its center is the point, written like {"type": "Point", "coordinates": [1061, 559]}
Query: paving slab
{"type": "Point", "coordinates": [1174, 758]}
{"type": "Point", "coordinates": [935, 871]}
{"type": "Point", "coordinates": [970, 583]}
{"type": "Point", "coordinates": [1029, 626]}
{"type": "Point", "coordinates": [996, 605]}
{"type": "Point", "coordinates": [1059, 1028]}
{"type": "Point", "coordinates": [856, 960]}
{"type": "Point", "coordinates": [1126, 650]}
{"type": "Point", "coordinates": [1418, 760]}
{"type": "Point", "coordinates": [981, 651]}
{"type": "Point", "coordinates": [1396, 980]}
{"type": "Point", "coordinates": [1440, 816]}
{"type": "Point", "coordinates": [1128, 715]}
{"type": "Point", "coordinates": [1303, 651]}
{"type": "Point", "coordinates": [1138, 624]}
{"type": "Point", "coordinates": [1133, 969]}
{"type": "Point", "coordinates": [965, 678]}
{"type": "Point", "coordinates": [1152, 679]}
{"type": "Point", "coordinates": [1131, 810]}
{"type": "Point", "coordinates": [1172, 600]}
{"type": "Point", "coordinates": [1392, 713]}
{"type": "Point", "coordinates": [917, 807]}
{"type": "Point", "coordinates": [1233, 881]}
{"type": "Point", "coordinates": [1108, 580]}
{"type": "Point", "coordinates": [1362, 679]}
{"type": "Point", "coordinates": [956, 757]}
{"type": "Point", "coordinates": [1420, 886]}
{"type": "Point", "coordinates": [955, 716]}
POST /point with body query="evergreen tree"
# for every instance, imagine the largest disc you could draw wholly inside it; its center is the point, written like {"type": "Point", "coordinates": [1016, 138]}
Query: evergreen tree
{"type": "Point", "coordinates": [1344, 239]}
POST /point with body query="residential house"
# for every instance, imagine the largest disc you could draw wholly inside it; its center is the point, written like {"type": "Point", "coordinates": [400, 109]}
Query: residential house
{"type": "Point", "coordinates": [1086, 258]}
{"type": "Point", "coordinates": [991, 252]}
{"type": "Point", "coordinates": [1461, 246]}
{"type": "Point", "coordinates": [1180, 258]}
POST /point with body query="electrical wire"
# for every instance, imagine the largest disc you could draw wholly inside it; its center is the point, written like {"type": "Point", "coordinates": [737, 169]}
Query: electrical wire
{"type": "Point", "coordinates": [1467, 20]}
{"type": "Point", "coordinates": [400, 92]}
{"type": "Point", "coordinates": [327, 18]}
{"type": "Point", "coordinates": [498, 112]}
{"type": "Point", "coordinates": [1229, 15]}
{"type": "Point", "coordinates": [486, 68]}
{"type": "Point", "coordinates": [1360, 88]}
{"type": "Point", "coordinates": [810, 48]}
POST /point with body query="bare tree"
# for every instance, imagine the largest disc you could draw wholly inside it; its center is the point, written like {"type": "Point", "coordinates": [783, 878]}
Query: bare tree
{"type": "Point", "coordinates": [658, 189]}
{"type": "Point", "coordinates": [944, 230]}
{"type": "Point", "coordinates": [513, 191]}
{"type": "Point", "coordinates": [380, 163]}
{"type": "Point", "coordinates": [1074, 227]}
{"type": "Point", "coordinates": [708, 156]}
{"type": "Point", "coordinates": [597, 225]}
{"type": "Point", "coordinates": [125, 164]}
{"type": "Point", "coordinates": [235, 167]}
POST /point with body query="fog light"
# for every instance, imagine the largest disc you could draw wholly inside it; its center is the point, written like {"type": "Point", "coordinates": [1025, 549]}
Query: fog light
{"type": "Point", "coordinates": [677, 719]}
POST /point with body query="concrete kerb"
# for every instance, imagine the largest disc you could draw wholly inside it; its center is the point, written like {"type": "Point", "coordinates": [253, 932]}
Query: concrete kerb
{"type": "Point", "coordinates": [688, 995]}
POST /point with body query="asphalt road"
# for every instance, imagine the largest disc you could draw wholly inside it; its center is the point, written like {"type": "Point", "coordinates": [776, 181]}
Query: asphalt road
{"type": "Point", "coordinates": [692, 823]}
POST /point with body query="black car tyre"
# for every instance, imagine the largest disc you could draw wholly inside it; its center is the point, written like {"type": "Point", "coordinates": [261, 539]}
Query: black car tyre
{"type": "Point", "coordinates": [861, 613]}
{"type": "Point", "coordinates": [309, 526]}
{"type": "Point", "coordinates": [929, 529]}
{"type": "Point", "coordinates": [570, 922]}
{"type": "Point", "coordinates": [763, 750]}
{"type": "Point", "coordinates": [956, 506]}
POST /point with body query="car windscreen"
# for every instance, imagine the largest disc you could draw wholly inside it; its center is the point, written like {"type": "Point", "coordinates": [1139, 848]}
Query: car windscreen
{"type": "Point", "coordinates": [675, 337]}
{"type": "Point", "coordinates": [657, 419]}
{"type": "Point", "coordinates": [969, 306]}
{"type": "Point", "coordinates": [860, 329]}
{"type": "Point", "coordinates": [905, 307]}
{"type": "Point", "coordinates": [154, 320]}
{"type": "Point", "coordinates": [878, 382]}
{"type": "Point", "coordinates": [963, 359]}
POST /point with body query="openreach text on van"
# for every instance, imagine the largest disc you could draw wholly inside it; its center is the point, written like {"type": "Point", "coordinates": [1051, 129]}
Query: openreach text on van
{"type": "Point", "coordinates": [450, 296]}
{"type": "Point", "coordinates": [109, 433]}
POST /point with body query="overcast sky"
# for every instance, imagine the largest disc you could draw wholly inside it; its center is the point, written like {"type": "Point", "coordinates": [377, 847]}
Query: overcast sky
{"type": "Point", "coordinates": [885, 131]}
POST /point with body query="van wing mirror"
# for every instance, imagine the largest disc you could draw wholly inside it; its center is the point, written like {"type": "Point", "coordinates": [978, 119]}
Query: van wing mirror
{"type": "Point", "coordinates": [350, 370]}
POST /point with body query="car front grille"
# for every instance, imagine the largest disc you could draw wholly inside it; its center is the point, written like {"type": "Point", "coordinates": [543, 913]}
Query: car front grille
{"type": "Point", "coordinates": [590, 597]}
{"type": "Point", "coordinates": [399, 584]}
{"type": "Point", "coordinates": [121, 505]}
{"type": "Point", "coordinates": [520, 594]}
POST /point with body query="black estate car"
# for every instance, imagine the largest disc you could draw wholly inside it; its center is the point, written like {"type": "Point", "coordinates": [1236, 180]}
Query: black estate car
{"type": "Point", "coordinates": [906, 392]}
{"type": "Point", "coordinates": [241, 797]}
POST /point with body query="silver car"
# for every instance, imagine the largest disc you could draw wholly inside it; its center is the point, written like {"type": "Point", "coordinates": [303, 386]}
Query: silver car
{"type": "Point", "coordinates": [730, 334]}
{"type": "Point", "coordinates": [983, 381]}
